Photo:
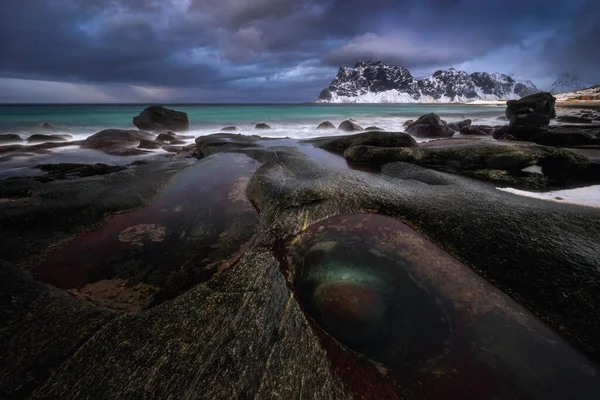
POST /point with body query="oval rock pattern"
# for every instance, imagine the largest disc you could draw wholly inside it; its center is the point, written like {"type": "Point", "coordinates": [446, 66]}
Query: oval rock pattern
{"type": "Point", "coordinates": [400, 318]}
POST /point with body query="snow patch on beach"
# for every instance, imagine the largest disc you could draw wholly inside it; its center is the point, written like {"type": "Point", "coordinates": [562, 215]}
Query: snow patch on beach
{"type": "Point", "coordinates": [593, 92]}
{"type": "Point", "coordinates": [585, 196]}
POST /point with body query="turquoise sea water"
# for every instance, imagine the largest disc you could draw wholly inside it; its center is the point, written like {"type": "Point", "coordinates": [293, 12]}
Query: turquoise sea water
{"type": "Point", "coordinates": [292, 120]}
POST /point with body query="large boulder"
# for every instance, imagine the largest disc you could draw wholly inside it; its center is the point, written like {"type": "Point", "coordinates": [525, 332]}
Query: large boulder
{"type": "Point", "coordinates": [529, 116]}
{"type": "Point", "coordinates": [159, 118]}
{"type": "Point", "coordinates": [430, 126]}
{"type": "Point", "coordinates": [539, 103]}
{"type": "Point", "coordinates": [349, 126]}
{"type": "Point", "coordinates": [117, 141]}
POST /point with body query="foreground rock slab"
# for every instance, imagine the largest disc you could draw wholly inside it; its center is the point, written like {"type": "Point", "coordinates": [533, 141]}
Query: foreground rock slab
{"type": "Point", "coordinates": [257, 327]}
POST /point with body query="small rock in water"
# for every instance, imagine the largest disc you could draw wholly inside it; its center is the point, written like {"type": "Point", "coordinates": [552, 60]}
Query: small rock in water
{"type": "Point", "coordinates": [49, 127]}
{"type": "Point", "coordinates": [229, 129]}
{"type": "Point", "coordinates": [373, 128]}
{"type": "Point", "coordinates": [326, 125]}
{"type": "Point", "coordinates": [39, 138]}
{"type": "Point", "coordinates": [349, 126]}
{"type": "Point", "coordinates": [262, 125]}
{"type": "Point", "coordinates": [477, 130]}
{"type": "Point", "coordinates": [10, 138]}
{"type": "Point", "coordinates": [457, 126]}
{"type": "Point", "coordinates": [172, 149]}
{"type": "Point", "coordinates": [165, 137]}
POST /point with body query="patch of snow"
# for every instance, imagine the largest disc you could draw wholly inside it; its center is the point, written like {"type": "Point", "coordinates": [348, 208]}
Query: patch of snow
{"type": "Point", "coordinates": [585, 196]}
{"type": "Point", "coordinates": [592, 91]}
{"type": "Point", "coordinates": [534, 169]}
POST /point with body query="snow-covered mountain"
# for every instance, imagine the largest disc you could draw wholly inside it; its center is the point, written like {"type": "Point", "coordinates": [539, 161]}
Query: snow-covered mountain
{"type": "Point", "coordinates": [377, 82]}
{"type": "Point", "coordinates": [566, 83]}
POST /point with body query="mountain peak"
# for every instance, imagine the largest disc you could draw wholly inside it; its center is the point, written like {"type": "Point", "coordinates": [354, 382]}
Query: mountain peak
{"type": "Point", "coordinates": [376, 81]}
{"type": "Point", "coordinates": [566, 82]}
{"type": "Point", "coordinates": [368, 63]}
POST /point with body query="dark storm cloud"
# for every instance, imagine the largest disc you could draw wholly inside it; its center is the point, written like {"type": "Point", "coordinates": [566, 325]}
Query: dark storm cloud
{"type": "Point", "coordinates": [274, 47]}
{"type": "Point", "coordinates": [575, 48]}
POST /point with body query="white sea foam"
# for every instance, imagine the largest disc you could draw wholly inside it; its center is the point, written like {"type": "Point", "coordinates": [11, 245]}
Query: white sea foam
{"type": "Point", "coordinates": [396, 96]}
{"type": "Point", "coordinates": [391, 120]}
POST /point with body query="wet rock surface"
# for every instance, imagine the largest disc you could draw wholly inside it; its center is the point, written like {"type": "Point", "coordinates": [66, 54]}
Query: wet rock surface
{"type": "Point", "coordinates": [117, 141]}
{"type": "Point", "coordinates": [372, 138]}
{"type": "Point", "coordinates": [66, 170]}
{"type": "Point", "coordinates": [18, 150]}
{"type": "Point", "coordinates": [503, 162]}
{"type": "Point", "coordinates": [403, 306]}
{"type": "Point", "coordinates": [172, 245]}
{"type": "Point", "coordinates": [297, 304]}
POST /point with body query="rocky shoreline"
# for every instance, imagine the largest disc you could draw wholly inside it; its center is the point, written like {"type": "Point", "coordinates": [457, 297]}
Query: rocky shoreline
{"type": "Point", "coordinates": [243, 266]}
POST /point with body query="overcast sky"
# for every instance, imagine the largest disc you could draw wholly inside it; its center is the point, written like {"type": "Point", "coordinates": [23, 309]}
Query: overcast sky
{"type": "Point", "coordinates": [276, 50]}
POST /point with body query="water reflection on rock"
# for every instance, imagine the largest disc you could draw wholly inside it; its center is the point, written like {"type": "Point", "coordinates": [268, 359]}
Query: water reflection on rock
{"type": "Point", "coordinates": [201, 218]}
{"type": "Point", "coordinates": [401, 318]}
